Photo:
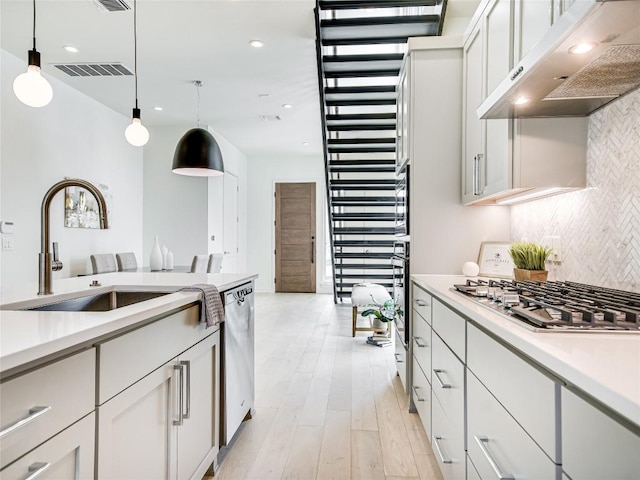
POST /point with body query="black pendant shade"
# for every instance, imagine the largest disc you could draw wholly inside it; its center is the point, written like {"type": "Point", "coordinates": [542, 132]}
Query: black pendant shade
{"type": "Point", "coordinates": [198, 154]}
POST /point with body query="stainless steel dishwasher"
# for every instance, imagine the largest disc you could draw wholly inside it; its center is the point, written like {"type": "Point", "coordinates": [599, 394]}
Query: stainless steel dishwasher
{"type": "Point", "coordinates": [237, 386]}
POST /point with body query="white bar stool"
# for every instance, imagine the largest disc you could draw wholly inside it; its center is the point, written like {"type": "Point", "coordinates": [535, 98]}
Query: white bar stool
{"type": "Point", "coordinates": [364, 295]}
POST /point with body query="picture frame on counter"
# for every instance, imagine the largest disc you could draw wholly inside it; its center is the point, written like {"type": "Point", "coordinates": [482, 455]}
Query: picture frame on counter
{"type": "Point", "coordinates": [494, 260]}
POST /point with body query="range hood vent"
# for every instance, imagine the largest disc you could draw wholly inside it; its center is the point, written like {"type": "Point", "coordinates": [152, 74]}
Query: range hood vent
{"type": "Point", "coordinates": [111, 5]}
{"type": "Point", "coordinates": [93, 69]}
{"type": "Point", "coordinates": [558, 83]}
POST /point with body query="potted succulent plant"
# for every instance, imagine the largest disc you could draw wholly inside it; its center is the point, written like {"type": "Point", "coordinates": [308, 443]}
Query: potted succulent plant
{"type": "Point", "coordinates": [529, 259]}
{"type": "Point", "coordinates": [384, 312]}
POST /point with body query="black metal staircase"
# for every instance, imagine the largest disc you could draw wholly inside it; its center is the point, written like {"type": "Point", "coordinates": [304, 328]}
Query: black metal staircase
{"type": "Point", "coordinates": [360, 46]}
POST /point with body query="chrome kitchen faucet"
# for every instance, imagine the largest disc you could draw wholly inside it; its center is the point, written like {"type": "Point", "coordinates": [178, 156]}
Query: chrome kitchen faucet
{"type": "Point", "coordinates": [46, 263]}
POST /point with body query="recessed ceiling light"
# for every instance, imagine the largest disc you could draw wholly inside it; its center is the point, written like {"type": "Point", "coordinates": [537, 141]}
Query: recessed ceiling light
{"type": "Point", "coordinates": [71, 49]}
{"type": "Point", "coordinates": [520, 101]}
{"type": "Point", "coordinates": [287, 105]}
{"type": "Point", "coordinates": [264, 96]}
{"type": "Point", "coordinates": [159, 109]}
{"type": "Point", "coordinates": [306, 144]}
{"type": "Point", "coordinates": [582, 48]}
{"type": "Point", "coordinates": [256, 43]}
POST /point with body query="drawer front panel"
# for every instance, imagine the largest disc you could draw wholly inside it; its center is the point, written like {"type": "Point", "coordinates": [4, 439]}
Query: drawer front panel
{"type": "Point", "coordinates": [401, 359]}
{"type": "Point", "coordinates": [451, 328]}
{"type": "Point", "coordinates": [421, 303]}
{"type": "Point", "coordinates": [472, 473]}
{"type": "Point", "coordinates": [447, 380]}
{"type": "Point", "coordinates": [126, 359]}
{"type": "Point", "coordinates": [448, 443]}
{"type": "Point", "coordinates": [527, 394]}
{"type": "Point", "coordinates": [421, 395]}
{"type": "Point", "coordinates": [66, 386]}
{"type": "Point", "coordinates": [422, 344]}
{"type": "Point", "coordinates": [494, 436]}
{"type": "Point", "coordinates": [594, 445]}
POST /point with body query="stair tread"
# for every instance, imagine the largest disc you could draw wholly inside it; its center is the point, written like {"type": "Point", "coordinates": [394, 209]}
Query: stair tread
{"type": "Point", "coordinates": [364, 57]}
{"type": "Point", "coordinates": [364, 161]}
{"type": "Point", "coordinates": [360, 4]}
{"type": "Point", "coordinates": [361, 116]}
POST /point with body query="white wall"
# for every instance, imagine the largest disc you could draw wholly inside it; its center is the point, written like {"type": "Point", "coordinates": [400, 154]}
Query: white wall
{"type": "Point", "coordinates": [264, 173]}
{"type": "Point", "coordinates": [185, 211]}
{"type": "Point", "coordinates": [73, 136]}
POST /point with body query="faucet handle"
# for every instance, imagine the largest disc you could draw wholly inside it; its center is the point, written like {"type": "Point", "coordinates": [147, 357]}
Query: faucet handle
{"type": "Point", "coordinates": [56, 264]}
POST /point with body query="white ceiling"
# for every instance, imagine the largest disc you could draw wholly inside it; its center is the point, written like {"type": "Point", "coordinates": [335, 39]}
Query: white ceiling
{"type": "Point", "coordinates": [184, 40]}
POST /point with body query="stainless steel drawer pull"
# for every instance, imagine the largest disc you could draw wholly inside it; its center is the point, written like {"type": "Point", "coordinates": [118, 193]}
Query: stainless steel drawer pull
{"type": "Point", "coordinates": [34, 413]}
{"type": "Point", "coordinates": [437, 371]}
{"type": "Point", "coordinates": [419, 342]}
{"type": "Point", "coordinates": [37, 469]}
{"type": "Point", "coordinates": [187, 363]}
{"type": "Point", "coordinates": [180, 420]}
{"type": "Point", "coordinates": [482, 441]}
{"type": "Point", "coordinates": [399, 360]}
{"type": "Point", "coordinates": [415, 392]}
{"type": "Point", "coordinates": [439, 449]}
{"type": "Point", "coordinates": [421, 303]}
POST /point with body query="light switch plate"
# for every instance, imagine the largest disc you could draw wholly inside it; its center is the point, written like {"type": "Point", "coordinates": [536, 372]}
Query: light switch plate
{"type": "Point", "coordinates": [7, 244]}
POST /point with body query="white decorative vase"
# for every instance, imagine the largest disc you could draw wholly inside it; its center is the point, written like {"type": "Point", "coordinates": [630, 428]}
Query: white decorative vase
{"type": "Point", "coordinates": [155, 260]}
{"type": "Point", "coordinates": [165, 250]}
{"type": "Point", "coordinates": [169, 262]}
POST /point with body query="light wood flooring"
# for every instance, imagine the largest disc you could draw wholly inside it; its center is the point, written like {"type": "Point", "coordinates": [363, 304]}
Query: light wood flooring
{"type": "Point", "coordinates": [328, 406]}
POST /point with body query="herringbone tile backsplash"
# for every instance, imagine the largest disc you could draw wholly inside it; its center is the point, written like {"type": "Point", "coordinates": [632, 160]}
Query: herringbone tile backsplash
{"type": "Point", "coordinates": [600, 225]}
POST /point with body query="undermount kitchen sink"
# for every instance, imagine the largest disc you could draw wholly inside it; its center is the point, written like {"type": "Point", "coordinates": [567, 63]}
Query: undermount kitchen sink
{"type": "Point", "coordinates": [101, 302]}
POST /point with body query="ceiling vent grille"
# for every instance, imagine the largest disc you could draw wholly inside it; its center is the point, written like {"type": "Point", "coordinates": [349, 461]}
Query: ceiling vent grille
{"type": "Point", "coordinates": [270, 118]}
{"type": "Point", "coordinates": [93, 69]}
{"type": "Point", "coordinates": [111, 5]}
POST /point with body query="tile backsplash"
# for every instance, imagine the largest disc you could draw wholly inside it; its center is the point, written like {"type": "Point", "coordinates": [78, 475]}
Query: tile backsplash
{"type": "Point", "coordinates": [599, 227]}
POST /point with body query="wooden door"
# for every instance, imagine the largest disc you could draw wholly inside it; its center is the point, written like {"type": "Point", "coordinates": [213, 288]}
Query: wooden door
{"type": "Point", "coordinates": [295, 237]}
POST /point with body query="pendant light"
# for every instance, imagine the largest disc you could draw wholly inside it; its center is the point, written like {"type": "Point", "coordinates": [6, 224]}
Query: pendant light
{"type": "Point", "coordinates": [136, 133]}
{"type": "Point", "coordinates": [31, 87]}
{"type": "Point", "coordinates": [197, 153]}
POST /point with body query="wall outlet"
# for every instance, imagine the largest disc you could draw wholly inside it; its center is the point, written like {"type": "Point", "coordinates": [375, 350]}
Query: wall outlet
{"type": "Point", "coordinates": [554, 241]}
{"type": "Point", "coordinates": [7, 244]}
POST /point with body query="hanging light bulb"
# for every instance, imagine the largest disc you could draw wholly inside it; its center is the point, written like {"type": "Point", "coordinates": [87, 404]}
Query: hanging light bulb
{"type": "Point", "coordinates": [31, 87]}
{"type": "Point", "coordinates": [136, 133]}
{"type": "Point", "coordinates": [197, 153]}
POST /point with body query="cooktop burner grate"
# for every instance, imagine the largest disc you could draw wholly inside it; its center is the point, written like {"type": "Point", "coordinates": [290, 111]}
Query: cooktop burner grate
{"type": "Point", "coordinates": [560, 305]}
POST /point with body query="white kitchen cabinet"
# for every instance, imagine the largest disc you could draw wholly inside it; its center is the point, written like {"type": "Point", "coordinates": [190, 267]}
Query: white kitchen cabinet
{"type": "Point", "coordinates": [448, 384]}
{"type": "Point", "coordinates": [594, 445]}
{"type": "Point", "coordinates": [67, 456]}
{"type": "Point", "coordinates": [162, 423]}
{"type": "Point", "coordinates": [421, 302]}
{"type": "Point", "coordinates": [400, 355]}
{"type": "Point", "coordinates": [532, 20]}
{"type": "Point", "coordinates": [450, 327]}
{"type": "Point", "coordinates": [496, 443]}
{"type": "Point", "coordinates": [447, 443]}
{"type": "Point", "coordinates": [421, 396]}
{"type": "Point", "coordinates": [39, 404]}
{"type": "Point", "coordinates": [402, 116]}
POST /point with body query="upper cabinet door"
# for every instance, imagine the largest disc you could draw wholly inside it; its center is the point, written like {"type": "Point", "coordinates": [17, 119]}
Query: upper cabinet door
{"type": "Point", "coordinates": [499, 35]}
{"type": "Point", "coordinates": [532, 18]}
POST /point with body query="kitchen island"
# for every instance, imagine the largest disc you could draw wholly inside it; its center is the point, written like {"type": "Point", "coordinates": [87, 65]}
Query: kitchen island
{"type": "Point", "coordinates": [137, 387]}
{"type": "Point", "coordinates": [504, 396]}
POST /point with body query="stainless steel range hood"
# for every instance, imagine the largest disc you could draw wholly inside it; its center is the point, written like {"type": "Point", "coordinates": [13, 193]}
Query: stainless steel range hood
{"type": "Point", "coordinates": [559, 83]}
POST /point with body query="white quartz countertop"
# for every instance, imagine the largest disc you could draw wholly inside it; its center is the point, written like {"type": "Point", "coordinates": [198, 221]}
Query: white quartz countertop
{"type": "Point", "coordinates": [604, 365]}
{"type": "Point", "coordinates": [29, 337]}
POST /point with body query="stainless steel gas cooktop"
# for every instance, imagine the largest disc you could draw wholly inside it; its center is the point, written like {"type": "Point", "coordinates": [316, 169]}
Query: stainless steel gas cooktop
{"type": "Point", "coordinates": [558, 306]}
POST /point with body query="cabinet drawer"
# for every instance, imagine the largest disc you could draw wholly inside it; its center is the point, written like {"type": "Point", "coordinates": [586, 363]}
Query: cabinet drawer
{"type": "Point", "coordinates": [495, 437]}
{"type": "Point", "coordinates": [451, 328]}
{"type": "Point", "coordinates": [421, 302]}
{"type": "Point", "coordinates": [66, 387]}
{"type": "Point", "coordinates": [421, 395]}
{"type": "Point", "coordinates": [68, 455]}
{"type": "Point", "coordinates": [401, 359]}
{"type": "Point", "coordinates": [126, 359]}
{"type": "Point", "coordinates": [472, 473]}
{"type": "Point", "coordinates": [422, 344]}
{"type": "Point", "coordinates": [447, 380]}
{"type": "Point", "coordinates": [447, 442]}
{"type": "Point", "coordinates": [527, 394]}
{"type": "Point", "coordinates": [594, 445]}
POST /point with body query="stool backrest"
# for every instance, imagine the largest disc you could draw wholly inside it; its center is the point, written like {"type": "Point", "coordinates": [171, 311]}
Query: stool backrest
{"type": "Point", "coordinates": [215, 263]}
{"type": "Point", "coordinates": [199, 264]}
{"type": "Point", "coordinates": [126, 261]}
{"type": "Point", "coordinates": [103, 263]}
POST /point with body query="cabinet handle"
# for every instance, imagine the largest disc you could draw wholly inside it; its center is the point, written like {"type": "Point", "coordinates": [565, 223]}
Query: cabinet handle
{"type": "Point", "coordinates": [415, 392]}
{"type": "Point", "coordinates": [420, 303]}
{"type": "Point", "coordinates": [313, 249]}
{"type": "Point", "coordinates": [37, 469]}
{"type": "Point", "coordinates": [437, 371]}
{"type": "Point", "coordinates": [398, 360]}
{"type": "Point", "coordinates": [180, 395]}
{"type": "Point", "coordinates": [420, 343]}
{"type": "Point", "coordinates": [187, 363]}
{"type": "Point", "coordinates": [439, 449]}
{"type": "Point", "coordinates": [476, 175]}
{"type": "Point", "coordinates": [34, 413]}
{"type": "Point", "coordinates": [482, 441]}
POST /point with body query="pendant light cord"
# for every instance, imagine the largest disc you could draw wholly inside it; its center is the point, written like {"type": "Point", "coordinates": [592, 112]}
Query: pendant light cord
{"type": "Point", "coordinates": [135, 49]}
{"type": "Point", "coordinates": [198, 84]}
{"type": "Point", "coordinates": [34, 24]}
